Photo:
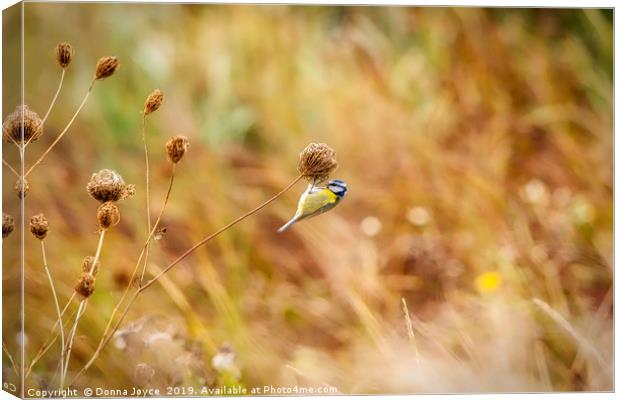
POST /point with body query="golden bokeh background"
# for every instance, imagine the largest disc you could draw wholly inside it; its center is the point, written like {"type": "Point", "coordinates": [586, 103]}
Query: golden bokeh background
{"type": "Point", "coordinates": [477, 147]}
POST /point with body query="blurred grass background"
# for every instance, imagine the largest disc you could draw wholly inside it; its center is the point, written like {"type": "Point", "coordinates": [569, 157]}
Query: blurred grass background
{"type": "Point", "coordinates": [477, 146]}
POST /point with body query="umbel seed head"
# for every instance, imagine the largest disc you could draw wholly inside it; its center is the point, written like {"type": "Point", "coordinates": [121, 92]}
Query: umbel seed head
{"type": "Point", "coordinates": [106, 67]}
{"type": "Point", "coordinates": [108, 185]}
{"type": "Point", "coordinates": [8, 224]}
{"type": "Point", "coordinates": [22, 188]}
{"type": "Point", "coordinates": [39, 226]}
{"type": "Point", "coordinates": [64, 54]}
{"type": "Point", "coordinates": [108, 215]}
{"type": "Point", "coordinates": [153, 102]}
{"type": "Point", "coordinates": [87, 265]}
{"type": "Point", "coordinates": [85, 286]}
{"type": "Point", "coordinates": [317, 161]}
{"type": "Point", "coordinates": [176, 148]}
{"type": "Point", "coordinates": [22, 119]}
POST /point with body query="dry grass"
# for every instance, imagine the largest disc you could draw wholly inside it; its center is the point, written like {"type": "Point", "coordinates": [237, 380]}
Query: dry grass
{"type": "Point", "coordinates": [477, 147]}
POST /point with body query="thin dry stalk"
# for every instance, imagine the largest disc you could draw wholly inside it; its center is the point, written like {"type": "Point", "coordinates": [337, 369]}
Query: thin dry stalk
{"type": "Point", "coordinates": [11, 168]}
{"type": "Point", "coordinates": [576, 336]}
{"type": "Point", "coordinates": [62, 133]}
{"type": "Point", "coordinates": [148, 194]}
{"type": "Point", "coordinates": [50, 342]}
{"type": "Point", "coordinates": [105, 340]}
{"type": "Point", "coordinates": [133, 274]}
{"type": "Point", "coordinates": [49, 110]}
{"type": "Point", "coordinates": [410, 329]}
{"type": "Point", "coordinates": [59, 315]}
{"type": "Point", "coordinates": [10, 357]}
{"type": "Point", "coordinates": [81, 310]}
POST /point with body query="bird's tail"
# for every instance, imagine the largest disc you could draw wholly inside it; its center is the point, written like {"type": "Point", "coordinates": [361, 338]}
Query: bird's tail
{"type": "Point", "coordinates": [287, 225]}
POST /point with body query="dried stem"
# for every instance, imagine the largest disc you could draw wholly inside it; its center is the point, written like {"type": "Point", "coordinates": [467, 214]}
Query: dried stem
{"type": "Point", "coordinates": [106, 339]}
{"type": "Point", "coordinates": [410, 329]}
{"type": "Point", "coordinates": [148, 195]}
{"type": "Point", "coordinates": [90, 88]}
{"type": "Point", "coordinates": [103, 340]}
{"type": "Point", "coordinates": [58, 313]}
{"type": "Point", "coordinates": [10, 357]}
{"type": "Point", "coordinates": [11, 168]}
{"type": "Point", "coordinates": [49, 110]}
{"type": "Point", "coordinates": [218, 232]}
{"type": "Point", "coordinates": [48, 344]}
{"type": "Point", "coordinates": [81, 309]}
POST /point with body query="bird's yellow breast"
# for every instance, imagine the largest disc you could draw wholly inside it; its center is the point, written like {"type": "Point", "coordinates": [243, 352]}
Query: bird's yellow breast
{"type": "Point", "coordinates": [312, 202]}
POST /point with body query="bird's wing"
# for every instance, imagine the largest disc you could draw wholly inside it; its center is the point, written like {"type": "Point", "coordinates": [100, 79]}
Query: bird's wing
{"type": "Point", "coordinates": [316, 202]}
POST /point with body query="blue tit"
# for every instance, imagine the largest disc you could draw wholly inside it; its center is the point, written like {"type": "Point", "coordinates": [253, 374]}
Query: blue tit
{"type": "Point", "coordinates": [317, 200]}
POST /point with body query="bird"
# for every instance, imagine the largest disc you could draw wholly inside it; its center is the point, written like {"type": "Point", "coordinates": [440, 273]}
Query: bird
{"type": "Point", "coordinates": [316, 200]}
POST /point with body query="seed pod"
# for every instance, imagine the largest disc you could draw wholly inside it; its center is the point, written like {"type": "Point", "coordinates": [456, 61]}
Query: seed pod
{"type": "Point", "coordinates": [8, 224]}
{"type": "Point", "coordinates": [22, 188]}
{"type": "Point", "coordinates": [85, 286]}
{"type": "Point", "coordinates": [108, 215]}
{"type": "Point", "coordinates": [87, 265]}
{"type": "Point", "coordinates": [153, 102]}
{"type": "Point", "coordinates": [64, 54]}
{"type": "Point", "coordinates": [317, 161]}
{"type": "Point", "coordinates": [39, 226]}
{"type": "Point", "coordinates": [106, 67]}
{"type": "Point", "coordinates": [108, 185]}
{"type": "Point", "coordinates": [22, 119]}
{"type": "Point", "coordinates": [176, 148]}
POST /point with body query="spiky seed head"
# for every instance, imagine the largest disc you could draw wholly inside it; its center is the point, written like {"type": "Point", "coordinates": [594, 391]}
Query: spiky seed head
{"type": "Point", "coordinates": [176, 148]}
{"type": "Point", "coordinates": [39, 226]}
{"type": "Point", "coordinates": [317, 161]}
{"type": "Point", "coordinates": [87, 265]}
{"type": "Point", "coordinates": [23, 118]}
{"type": "Point", "coordinates": [106, 67]}
{"type": "Point", "coordinates": [22, 188]}
{"type": "Point", "coordinates": [8, 224]}
{"type": "Point", "coordinates": [108, 215]}
{"type": "Point", "coordinates": [64, 54]}
{"type": "Point", "coordinates": [153, 102]}
{"type": "Point", "coordinates": [108, 185]}
{"type": "Point", "coordinates": [85, 286]}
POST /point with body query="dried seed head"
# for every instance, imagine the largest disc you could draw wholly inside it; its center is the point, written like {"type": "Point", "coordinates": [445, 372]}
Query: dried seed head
{"type": "Point", "coordinates": [108, 215]}
{"type": "Point", "coordinates": [85, 286]}
{"type": "Point", "coordinates": [176, 148]}
{"type": "Point", "coordinates": [8, 224]}
{"type": "Point", "coordinates": [64, 53]}
{"type": "Point", "coordinates": [22, 188]}
{"type": "Point", "coordinates": [39, 226]}
{"type": "Point", "coordinates": [317, 161]}
{"type": "Point", "coordinates": [153, 102]}
{"type": "Point", "coordinates": [87, 265]}
{"type": "Point", "coordinates": [106, 67]}
{"type": "Point", "coordinates": [22, 119]}
{"type": "Point", "coordinates": [108, 185]}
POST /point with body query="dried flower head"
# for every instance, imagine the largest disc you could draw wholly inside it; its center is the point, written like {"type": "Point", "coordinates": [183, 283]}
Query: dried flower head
{"type": "Point", "coordinates": [106, 67]}
{"type": "Point", "coordinates": [22, 188]}
{"type": "Point", "coordinates": [39, 226]}
{"type": "Point", "coordinates": [22, 119]}
{"type": "Point", "coordinates": [108, 185]}
{"type": "Point", "coordinates": [317, 161]}
{"type": "Point", "coordinates": [87, 265]}
{"type": "Point", "coordinates": [8, 224]}
{"type": "Point", "coordinates": [108, 215]}
{"type": "Point", "coordinates": [176, 148]}
{"type": "Point", "coordinates": [85, 286]}
{"type": "Point", "coordinates": [153, 102]}
{"type": "Point", "coordinates": [64, 53]}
